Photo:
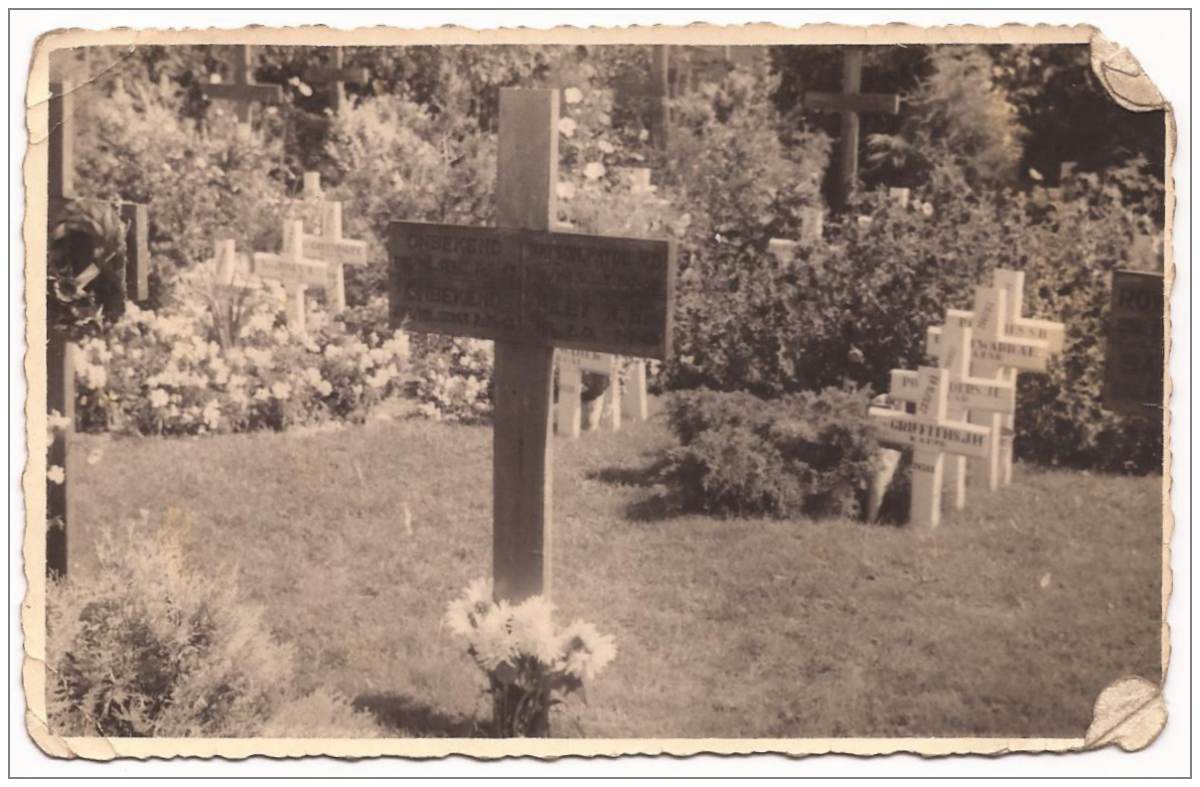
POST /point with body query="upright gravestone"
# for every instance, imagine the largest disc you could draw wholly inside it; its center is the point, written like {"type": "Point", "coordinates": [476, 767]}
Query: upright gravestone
{"type": "Point", "coordinates": [1134, 357]}
{"type": "Point", "coordinates": [112, 281]}
{"type": "Point", "coordinates": [530, 289]}
{"type": "Point", "coordinates": [850, 102]}
{"type": "Point", "coordinates": [931, 435]}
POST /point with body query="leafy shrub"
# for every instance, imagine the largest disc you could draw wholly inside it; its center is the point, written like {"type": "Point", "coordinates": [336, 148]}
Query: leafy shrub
{"type": "Point", "coordinates": [166, 373]}
{"type": "Point", "coordinates": [148, 647]}
{"type": "Point", "coordinates": [805, 453]}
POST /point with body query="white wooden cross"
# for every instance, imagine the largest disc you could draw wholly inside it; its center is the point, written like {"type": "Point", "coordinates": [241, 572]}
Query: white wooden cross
{"type": "Point", "coordinates": [992, 351]}
{"type": "Point", "coordinates": [1015, 326]}
{"type": "Point", "coordinates": [966, 393]}
{"type": "Point", "coordinates": [931, 435]}
{"type": "Point", "coordinates": [294, 270]}
{"type": "Point", "coordinates": [571, 366]}
{"type": "Point", "coordinates": [330, 247]}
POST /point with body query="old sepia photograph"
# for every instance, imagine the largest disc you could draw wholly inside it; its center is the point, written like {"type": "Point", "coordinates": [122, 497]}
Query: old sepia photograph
{"type": "Point", "coordinates": [414, 393]}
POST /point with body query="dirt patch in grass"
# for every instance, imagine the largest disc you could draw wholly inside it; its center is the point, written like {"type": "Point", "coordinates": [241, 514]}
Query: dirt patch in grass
{"type": "Point", "coordinates": [1006, 621]}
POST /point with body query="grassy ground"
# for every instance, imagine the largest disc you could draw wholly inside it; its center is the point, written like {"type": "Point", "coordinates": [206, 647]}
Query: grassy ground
{"type": "Point", "coordinates": [1008, 620]}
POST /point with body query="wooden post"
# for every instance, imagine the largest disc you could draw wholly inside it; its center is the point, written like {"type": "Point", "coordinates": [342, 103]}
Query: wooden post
{"type": "Point", "coordinates": [635, 402]}
{"type": "Point", "coordinates": [849, 103]}
{"type": "Point", "coordinates": [127, 279]}
{"type": "Point", "coordinates": [928, 463]}
{"type": "Point", "coordinates": [852, 61]}
{"type": "Point", "coordinates": [990, 305]}
{"type": "Point", "coordinates": [660, 95]}
{"type": "Point", "coordinates": [570, 391]}
{"type": "Point", "coordinates": [522, 477]}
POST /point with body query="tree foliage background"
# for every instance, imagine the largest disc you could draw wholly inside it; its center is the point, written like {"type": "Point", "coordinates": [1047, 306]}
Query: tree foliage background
{"type": "Point", "coordinates": [981, 134]}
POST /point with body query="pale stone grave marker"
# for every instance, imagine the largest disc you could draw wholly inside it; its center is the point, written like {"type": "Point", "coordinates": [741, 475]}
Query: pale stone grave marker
{"type": "Point", "coordinates": [530, 289]}
{"type": "Point", "coordinates": [931, 435]}
{"type": "Point", "coordinates": [571, 366]}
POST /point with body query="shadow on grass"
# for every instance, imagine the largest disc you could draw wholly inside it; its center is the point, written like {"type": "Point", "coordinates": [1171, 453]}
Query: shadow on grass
{"type": "Point", "coordinates": [649, 474]}
{"type": "Point", "coordinates": [409, 717]}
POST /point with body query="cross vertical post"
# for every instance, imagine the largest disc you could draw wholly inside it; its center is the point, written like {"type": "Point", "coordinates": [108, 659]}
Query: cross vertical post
{"type": "Point", "coordinates": [522, 449]}
{"type": "Point", "coordinates": [60, 372]}
{"type": "Point", "coordinates": [849, 103]}
{"type": "Point", "coordinates": [956, 360]}
{"type": "Point", "coordinates": [660, 94]}
{"type": "Point", "coordinates": [852, 63]}
{"type": "Point", "coordinates": [928, 463]}
{"type": "Point", "coordinates": [990, 306]}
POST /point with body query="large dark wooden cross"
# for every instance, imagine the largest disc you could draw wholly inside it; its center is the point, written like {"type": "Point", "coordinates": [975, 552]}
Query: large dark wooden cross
{"type": "Point", "coordinates": [336, 75]}
{"type": "Point", "coordinates": [530, 289]}
{"type": "Point", "coordinates": [850, 102]}
{"type": "Point", "coordinates": [244, 92]}
{"type": "Point", "coordinates": [112, 284]}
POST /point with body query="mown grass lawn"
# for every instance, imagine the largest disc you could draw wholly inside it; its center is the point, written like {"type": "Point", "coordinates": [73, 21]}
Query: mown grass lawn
{"type": "Point", "coordinates": [1006, 621]}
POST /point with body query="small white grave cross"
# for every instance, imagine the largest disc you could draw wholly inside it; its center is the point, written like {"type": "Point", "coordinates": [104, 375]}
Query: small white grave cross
{"type": "Point", "coordinates": [1053, 334]}
{"type": "Point", "coordinates": [571, 366]}
{"type": "Point", "coordinates": [966, 393]}
{"type": "Point", "coordinates": [296, 272]}
{"type": "Point", "coordinates": [931, 435]}
{"type": "Point", "coordinates": [330, 247]}
{"type": "Point", "coordinates": [992, 349]}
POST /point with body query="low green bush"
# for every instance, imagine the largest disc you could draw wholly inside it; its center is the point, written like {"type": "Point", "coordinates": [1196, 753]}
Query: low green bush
{"type": "Point", "coordinates": [804, 453]}
{"type": "Point", "coordinates": [146, 646]}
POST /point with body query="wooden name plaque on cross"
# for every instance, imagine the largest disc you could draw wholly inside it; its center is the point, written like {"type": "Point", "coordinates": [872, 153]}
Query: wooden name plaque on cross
{"type": "Point", "coordinates": [546, 288]}
{"type": "Point", "coordinates": [931, 435]}
{"type": "Point", "coordinates": [531, 290]}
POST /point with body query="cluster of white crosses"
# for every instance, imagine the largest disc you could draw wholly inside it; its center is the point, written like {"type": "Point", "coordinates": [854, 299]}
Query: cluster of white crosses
{"type": "Point", "coordinates": [963, 408]}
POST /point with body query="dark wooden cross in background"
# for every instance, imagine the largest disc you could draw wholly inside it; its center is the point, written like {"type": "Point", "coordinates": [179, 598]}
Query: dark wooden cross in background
{"type": "Point", "coordinates": [336, 75]}
{"type": "Point", "coordinates": [243, 91]}
{"type": "Point", "coordinates": [112, 284]}
{"type": "Point", "coordinates": [850, 102]}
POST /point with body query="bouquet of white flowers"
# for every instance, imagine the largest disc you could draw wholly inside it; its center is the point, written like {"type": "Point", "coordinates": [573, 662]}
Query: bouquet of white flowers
{"type": "Point", "coordinates": [530, 663]}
